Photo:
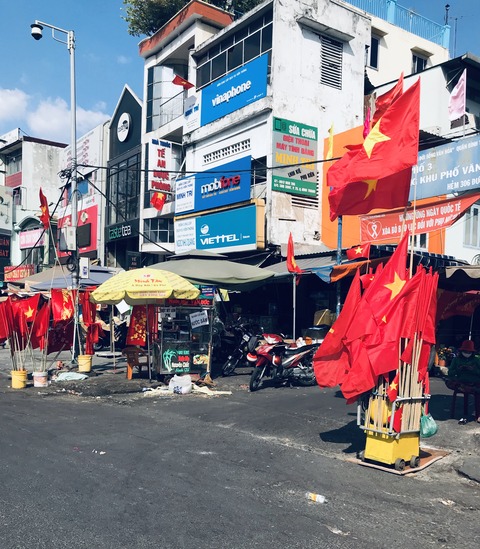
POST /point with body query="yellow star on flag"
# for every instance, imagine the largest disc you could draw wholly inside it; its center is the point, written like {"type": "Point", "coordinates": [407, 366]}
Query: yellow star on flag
{"type": "Point", "coordinates": [393, 385]}
{"type": "Point", "coordinates": [375, 136]}
{"type": "Point", "coordinates": [29, 312]}
{"type": "Point", "coordinates": [331, 331]}
{"type": "Point", "coordinates": [358, 250]}
{"type": "Point", "coordinates": [371, 186]}
{"type": "Point", "coordinates": [396, 286]}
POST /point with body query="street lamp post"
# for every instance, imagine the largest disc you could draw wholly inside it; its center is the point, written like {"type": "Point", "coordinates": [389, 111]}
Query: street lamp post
{"type": "Point", "coordinates": [69, 40]}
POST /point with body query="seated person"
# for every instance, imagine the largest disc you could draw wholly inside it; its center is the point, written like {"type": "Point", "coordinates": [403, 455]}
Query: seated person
{"type": "Point", "coordinates": [465, 371]}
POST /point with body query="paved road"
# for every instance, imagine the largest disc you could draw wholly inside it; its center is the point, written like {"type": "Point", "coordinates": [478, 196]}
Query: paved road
{"type": "Point", "coordinates": [137, 471]}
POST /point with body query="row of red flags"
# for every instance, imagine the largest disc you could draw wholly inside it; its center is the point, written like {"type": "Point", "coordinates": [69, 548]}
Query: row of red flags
{"type": "Point", "coordinates": [42, 323]}
{"type": "Point", "coordinates": [363, 343]}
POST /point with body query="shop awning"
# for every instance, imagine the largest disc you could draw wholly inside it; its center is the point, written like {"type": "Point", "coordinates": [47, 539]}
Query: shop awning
{"type": "Point", "coordinates": [462, 278]}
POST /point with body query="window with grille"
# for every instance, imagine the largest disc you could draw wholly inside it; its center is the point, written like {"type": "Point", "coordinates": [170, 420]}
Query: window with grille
{"type": "Point", "coordinates": [420, 241]}
{"type": "Point", "coordinates": [331, 62]}
{"type": "Point", "coordinates": [123, 189]}
{"type": "Point", "coordinates": [419, 63]}
{"type": "Point", "coordinates": [373, 52]}
{"type": "Point", "coordinates": [471, 235]}
{"type": "Point", "coordinates": [159, 229]}
{"type": "Point", "coordinates": [236, 50]}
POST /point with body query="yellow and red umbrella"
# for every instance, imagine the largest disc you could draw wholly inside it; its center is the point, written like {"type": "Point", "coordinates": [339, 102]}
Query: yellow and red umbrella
{"type": "Point", "coordinates": [143, 287]}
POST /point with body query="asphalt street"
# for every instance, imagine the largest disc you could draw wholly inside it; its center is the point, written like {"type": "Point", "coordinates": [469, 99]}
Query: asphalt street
{"type": "Point", "coordinates": [145, 469]}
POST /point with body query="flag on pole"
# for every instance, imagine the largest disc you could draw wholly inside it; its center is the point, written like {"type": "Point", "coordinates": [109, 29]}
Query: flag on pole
{"type": "Point", "coordinates": [179, 81]}
{"type": "Point", "coordinates": [377, 174]}
{"type": "Point", "coordinates": [45, 215]}
{"type": "Point", "coordinates": [359, 251]}
{"type": "Point", "coordinates": [291, 263]}
{"type": "Point", "coordinates": [458, 98]}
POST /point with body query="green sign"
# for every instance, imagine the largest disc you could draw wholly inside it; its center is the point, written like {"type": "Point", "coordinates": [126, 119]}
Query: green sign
{"type": "Point", "coordinates": [295, 148]}
{"type": "Point", "coordinates": [176, 358]}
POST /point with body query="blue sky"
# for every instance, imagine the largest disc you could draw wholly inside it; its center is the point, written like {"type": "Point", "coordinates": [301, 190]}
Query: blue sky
{"type": "Point", "coordinates": [35, 75]}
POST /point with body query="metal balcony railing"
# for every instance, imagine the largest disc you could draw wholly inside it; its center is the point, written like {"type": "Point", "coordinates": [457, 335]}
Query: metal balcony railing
{"type": "Point", "coordinates": [172, 108]}
{"type": "Point", "coordinates": [406, 19]}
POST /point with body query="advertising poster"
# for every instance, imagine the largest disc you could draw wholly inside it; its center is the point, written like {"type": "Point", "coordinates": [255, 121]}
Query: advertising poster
{"type": "Point", "coordinates": [221, 186]}
{"type": "Point", "coordinates": [160, 164]}
{"type": "Point", "coordinates": [235, 90]}
{"type": "Point", "coordinates": [233, 231]}
{"type": "Point", "coordinates": [294, 143]}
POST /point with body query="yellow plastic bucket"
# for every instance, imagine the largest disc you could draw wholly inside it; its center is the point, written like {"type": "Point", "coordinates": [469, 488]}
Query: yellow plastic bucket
{"type": "Point", "coordinates": [19, 379]}
{"type": "Point", "coordinates": [84, 363]}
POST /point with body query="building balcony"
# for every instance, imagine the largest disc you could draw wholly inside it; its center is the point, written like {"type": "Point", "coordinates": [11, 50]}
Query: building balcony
{"type": "Point", "coordinates": [407, 19]}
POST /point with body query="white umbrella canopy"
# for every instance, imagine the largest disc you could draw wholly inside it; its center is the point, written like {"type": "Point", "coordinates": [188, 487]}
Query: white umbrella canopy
{"type": "Point", "coordinates": [144, 287]}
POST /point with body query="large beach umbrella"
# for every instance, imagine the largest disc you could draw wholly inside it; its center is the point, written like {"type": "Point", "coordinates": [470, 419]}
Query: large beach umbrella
{"type": "Point", "coordinates": [143, 287]}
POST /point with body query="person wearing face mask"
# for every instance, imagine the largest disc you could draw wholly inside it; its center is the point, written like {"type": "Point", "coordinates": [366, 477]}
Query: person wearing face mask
{"type": "Point", "coordinates": [465, 370]}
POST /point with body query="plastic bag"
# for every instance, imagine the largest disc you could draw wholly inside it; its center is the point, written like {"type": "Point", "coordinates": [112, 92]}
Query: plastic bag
{"type": "Point", "coordinates": [428, 426]}
{"type": "Point", "coordinates": [181, 385]}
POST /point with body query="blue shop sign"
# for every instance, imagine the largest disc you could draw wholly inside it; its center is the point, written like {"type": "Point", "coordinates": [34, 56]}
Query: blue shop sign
{"type": "Point", "coordinates": [453, 167]}
{"type": "Point", "coordinates": [232, 230]}
{"type": "Point", "coordinates": [221, 186]}
{"type": "Point", "coordinates": [235, 90]}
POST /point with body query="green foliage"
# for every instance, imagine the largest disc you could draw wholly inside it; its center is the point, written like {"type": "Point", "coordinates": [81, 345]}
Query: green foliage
{"type": "Point", "coordinates": [145, 17]}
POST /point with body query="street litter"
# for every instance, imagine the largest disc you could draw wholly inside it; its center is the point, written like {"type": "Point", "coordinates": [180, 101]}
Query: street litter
{"type": "Point", "coordinates": [101, 452]}
{"type": "Point", "coordinates": [209, 392]}
{"type": "Point", "coordinates": [317, 498]}
{"type": "Point", "coordinates": [180, 385]}
{"type": "Point", "coordinates": [69, 376]}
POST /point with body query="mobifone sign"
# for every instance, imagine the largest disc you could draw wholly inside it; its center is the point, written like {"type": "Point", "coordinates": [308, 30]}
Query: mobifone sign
{"type": "Point", "coordinates": [220, 186]}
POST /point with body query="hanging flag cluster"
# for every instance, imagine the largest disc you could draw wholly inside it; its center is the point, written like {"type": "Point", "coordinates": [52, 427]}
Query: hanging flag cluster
{"type": "Point", "coordinates": [383, 331]}
{"type": "Point", "coordinates": [377, 174]}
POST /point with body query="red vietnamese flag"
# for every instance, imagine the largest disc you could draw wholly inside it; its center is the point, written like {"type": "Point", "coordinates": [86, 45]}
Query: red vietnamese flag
{"type": "Point", "coordinates": [158, 200]}
{"type": "Point", "coordinates": [384, 101]}
{"type": "Point", "coordinates": [45, 215]}
{"type": "Point", "coordinates": [39, 329]}
{"type": "Point", "coordinates": [63, 304]}
{"type": "Point", "coordinates": [179, 81]}
{"type": "Point", "coordinates": [392, 391]}
{"type": "Point", "coordinates": [359, 251]}
{"type": "Point", "coordinates": [377, 175]}
{"type": "Point", "coordinates": [331, 361]}
{"type": "Point", "coordinates": [361, 197]}
{"type": "Point", "coordinates": [60, 337]}
{"type": "Point", "coordinates": [291, 263]}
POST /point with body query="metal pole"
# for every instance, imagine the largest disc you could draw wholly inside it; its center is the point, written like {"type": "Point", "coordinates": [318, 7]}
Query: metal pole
{"type": "Point", "coordinates": [339, 261]}
{"type": "Point", "coordinates": [74, 196]}
{"type": "Point", "coordinates": [294, 282]}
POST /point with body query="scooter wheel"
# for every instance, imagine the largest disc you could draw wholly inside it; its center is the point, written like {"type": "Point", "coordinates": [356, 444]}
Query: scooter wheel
{"type": "Point", "coordinates": [229, 366]}
{"type": "Point", "coordinates": [256, 379]}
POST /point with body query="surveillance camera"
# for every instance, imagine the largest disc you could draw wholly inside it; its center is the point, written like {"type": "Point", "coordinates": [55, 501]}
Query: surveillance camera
{"type": "Point", "coordinates": [36, 31]}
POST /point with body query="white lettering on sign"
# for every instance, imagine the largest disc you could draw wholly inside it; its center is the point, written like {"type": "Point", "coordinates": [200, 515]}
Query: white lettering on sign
{"type": "Point", "coordinates": [232, 92]}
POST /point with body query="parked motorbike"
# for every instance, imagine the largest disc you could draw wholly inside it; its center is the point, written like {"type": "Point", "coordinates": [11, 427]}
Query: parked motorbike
{"type": "Point", "coordinates": [248, 335]}
{"type": "Point", "coordinates": [119, 334]}
{"type": "Point", "coordinates": [280, 362]}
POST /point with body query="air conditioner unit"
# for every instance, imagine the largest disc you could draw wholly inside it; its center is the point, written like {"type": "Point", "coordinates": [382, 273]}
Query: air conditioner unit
{"type": "Point", "coordinates": [470, 121]}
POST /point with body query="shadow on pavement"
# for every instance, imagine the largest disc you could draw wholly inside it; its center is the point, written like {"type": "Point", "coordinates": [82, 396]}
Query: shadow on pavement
{"type": "Point", "coordinates": [349, 433]}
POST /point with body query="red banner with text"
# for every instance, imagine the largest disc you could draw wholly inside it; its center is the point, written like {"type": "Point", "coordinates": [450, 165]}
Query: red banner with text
{"type": "Point", "coordinates": [428, 218]}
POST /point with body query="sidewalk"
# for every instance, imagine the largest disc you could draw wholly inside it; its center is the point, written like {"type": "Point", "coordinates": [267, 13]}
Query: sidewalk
{"type": "Point", "coordinates": [108, 378]}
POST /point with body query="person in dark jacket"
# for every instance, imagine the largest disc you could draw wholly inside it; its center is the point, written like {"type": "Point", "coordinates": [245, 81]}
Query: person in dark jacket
{"type": "Point", "coordinates": [465, 370]}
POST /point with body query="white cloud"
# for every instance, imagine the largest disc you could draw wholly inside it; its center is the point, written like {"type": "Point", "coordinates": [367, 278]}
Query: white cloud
{"type": "Point", "coordinates": [13, 105]}
{"type": "Point", "coordinates": [51, 120]}
{"type": "Point", "coordinates": [123, 60]}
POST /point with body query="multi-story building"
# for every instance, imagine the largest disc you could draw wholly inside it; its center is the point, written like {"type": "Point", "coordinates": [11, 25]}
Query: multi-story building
{"type": "Point", "coordinates": [241, 148]}
{"type": "Point", "coordinates": [26, 165]}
